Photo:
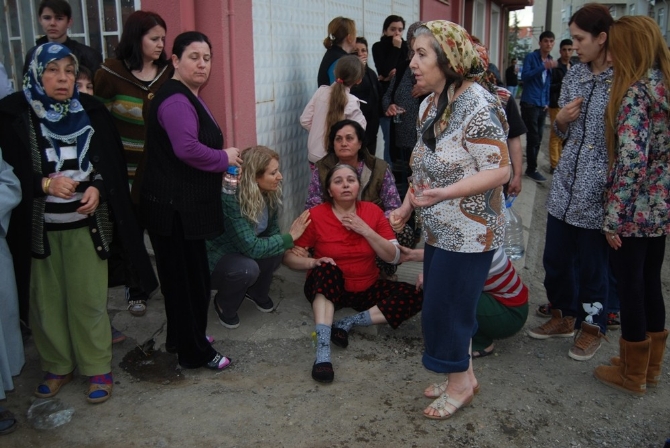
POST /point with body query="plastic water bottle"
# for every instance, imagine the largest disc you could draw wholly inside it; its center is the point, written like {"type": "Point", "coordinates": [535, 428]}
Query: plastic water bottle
{"type": "Point", "coordinates": [514, 247]}
{"type": "Point", "coordinates": [230, 180]}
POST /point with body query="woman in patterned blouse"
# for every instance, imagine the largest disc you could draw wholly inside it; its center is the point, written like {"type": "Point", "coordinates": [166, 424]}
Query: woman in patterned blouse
{"type": "Point", "coordinates": [636, 199]}
{"type": "Point", "coordinates": [462, 149]}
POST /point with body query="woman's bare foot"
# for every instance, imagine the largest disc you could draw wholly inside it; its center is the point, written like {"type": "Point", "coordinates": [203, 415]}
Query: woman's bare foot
{"type": "Point", "coordinates": [436, 389]}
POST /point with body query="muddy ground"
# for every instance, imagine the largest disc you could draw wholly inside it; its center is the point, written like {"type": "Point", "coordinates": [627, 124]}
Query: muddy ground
{"type": "Point", "coordinates": [532, 395]}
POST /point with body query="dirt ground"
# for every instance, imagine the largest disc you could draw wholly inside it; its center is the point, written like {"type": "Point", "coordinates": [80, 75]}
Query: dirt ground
{"type": "Point", "coordinates": [532, 393]}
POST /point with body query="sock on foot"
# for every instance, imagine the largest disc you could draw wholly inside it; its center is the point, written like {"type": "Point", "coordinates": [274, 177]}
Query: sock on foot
{"type": "Point", "coordinates": [361, 319]}
{"type": "Point", "coordinates": [322, 343]}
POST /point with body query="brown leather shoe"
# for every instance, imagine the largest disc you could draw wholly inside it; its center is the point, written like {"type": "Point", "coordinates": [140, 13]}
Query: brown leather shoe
{"type": "Point", "coordinates": [587, 342]}
{"type": "Point", "coordinates": [556, 327]}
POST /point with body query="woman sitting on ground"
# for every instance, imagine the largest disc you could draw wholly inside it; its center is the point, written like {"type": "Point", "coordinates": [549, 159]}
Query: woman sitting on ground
{"type": "Point", "coordinates": [243, 258]}
{"type": "Point", "coordinates": [346, 146]}
{"type": "Point", "coordinates": [346, 234]}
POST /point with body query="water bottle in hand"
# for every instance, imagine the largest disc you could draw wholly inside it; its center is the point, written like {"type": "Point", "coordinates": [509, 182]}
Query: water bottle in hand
{"type": "Point", "coordinates": [514, 247]}
{"type": "Point", "coordinates": [230, 180]}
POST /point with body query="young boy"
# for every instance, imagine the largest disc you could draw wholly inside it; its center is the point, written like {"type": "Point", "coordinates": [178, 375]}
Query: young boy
{"type": "Point", "coordinates": [85, 80]}
{"type": "Point", "coordinates": [55, 17]}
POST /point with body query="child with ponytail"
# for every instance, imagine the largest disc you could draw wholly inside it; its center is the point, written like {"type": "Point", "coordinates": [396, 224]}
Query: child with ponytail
{"type": "Point", "coordinates": [331, 104]}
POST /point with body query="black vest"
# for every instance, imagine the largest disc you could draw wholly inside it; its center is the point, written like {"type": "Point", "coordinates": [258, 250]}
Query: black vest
{"type": "Point", "coordinates": [170, 186]}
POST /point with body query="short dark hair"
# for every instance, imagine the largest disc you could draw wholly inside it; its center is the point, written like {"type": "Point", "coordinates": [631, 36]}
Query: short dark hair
{"type": "Point", "coordinates": [565, 42]}
{"type": "Point", "coordinates": [362, 40]}
{"type": "Point", "coordinates": [57, 6]}
{"type": "Point", "coordinates": [360, 133]}
{"type": "Point", "coordinates": [129, 48]}
{"type": "Point", "coordinates": [85, 72]}
{"type": "Point", "coordinates": [547, 34]}
{"type": "Point", "coordinates": [187, 38]}
{"type": "Point", "coordinates": [390, 19]}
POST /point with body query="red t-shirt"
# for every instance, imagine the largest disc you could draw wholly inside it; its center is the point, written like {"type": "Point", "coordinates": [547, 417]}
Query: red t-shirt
{"type": "Point", "coordinates": [352, 253]}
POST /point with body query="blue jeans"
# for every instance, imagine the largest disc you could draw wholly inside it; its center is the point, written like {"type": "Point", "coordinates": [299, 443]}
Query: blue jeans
{"type": "Point", "coordinates": [576, 268]}
{"type": "Point", "coordinates": [452, 283]}
{"type": "Point", "coordinates": [513, 90]}
{"type": "Point", "coordinates": [534, 118]}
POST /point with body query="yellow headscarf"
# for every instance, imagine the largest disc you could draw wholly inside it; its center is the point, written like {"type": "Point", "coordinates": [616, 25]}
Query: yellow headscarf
{"type": "Point", "coordinates": [464, 59]}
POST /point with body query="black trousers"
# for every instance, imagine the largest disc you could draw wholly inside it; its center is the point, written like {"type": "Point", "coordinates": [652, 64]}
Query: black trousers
{"type": "Point", "coordinates": [185, 283]}
{"type": "Point", "coordinates": [637, 267]}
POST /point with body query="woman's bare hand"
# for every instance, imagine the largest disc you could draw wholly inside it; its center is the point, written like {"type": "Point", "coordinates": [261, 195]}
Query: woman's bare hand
{"type": "Point", "coordinates": [62, 187]}
{"type": "Point", "coordinates": [353, 222]}
{"type": "Point", "coordinates": [299, 225]}
{"type": "Point", "coordinates": [90, 201]}
{"type": "Point", "coordinates": [233, 156]}
{"type": "Point", "coordinates": [569, 113]}
{"type": "Point", "coordinates": [399, 217]}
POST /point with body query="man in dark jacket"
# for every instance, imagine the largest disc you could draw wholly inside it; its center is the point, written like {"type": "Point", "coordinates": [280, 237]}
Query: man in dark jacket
{"type": "Point", "coordinates": [557, 74]}
{"type": "Point", "coordinates": [55, 16]}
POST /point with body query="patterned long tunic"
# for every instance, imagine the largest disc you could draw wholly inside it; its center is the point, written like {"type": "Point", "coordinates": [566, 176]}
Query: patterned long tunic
{"type": "Point", "coordinates": [576, 195]}
{"type": "Point", "coordinates": [637, 200]}
{"type": "Point", "coordinates": [473, 141]}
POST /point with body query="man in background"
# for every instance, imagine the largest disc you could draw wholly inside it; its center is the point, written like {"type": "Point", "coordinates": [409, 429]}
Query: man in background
{"type": "Point", "coordinates": [55, 17]}
{"type": "Point", "coordinates": [557, 75]}
{"type": "Point", "coordinates": [536, 77]}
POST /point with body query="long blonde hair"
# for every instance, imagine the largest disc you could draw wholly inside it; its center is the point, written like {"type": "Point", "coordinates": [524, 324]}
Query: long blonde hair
{"type": "Point", "coordinates": [348, 72]}
{"type": "Point", "coordinates": [637, 46]}
{"type": "Point", "coordinates": [255, 161]}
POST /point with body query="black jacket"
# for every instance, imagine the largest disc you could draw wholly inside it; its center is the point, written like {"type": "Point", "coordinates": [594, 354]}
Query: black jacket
{"type": "Point", "coordinates": [105, 153]}
{"type": "Point", "coordinates": [170, 186]}
{"type": "Point", "coordinates": [86, 55]}
{"type": "Point", "coordinates": [557, 76]}
{"type": "Point", "coordinates": [329, 59]}
{"type": "Point", "coordinates": [370, 91]}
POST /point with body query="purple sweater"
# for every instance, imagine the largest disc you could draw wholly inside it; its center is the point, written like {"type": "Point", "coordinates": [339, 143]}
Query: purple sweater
{"type": "Point", "coordinates": [180, 120]}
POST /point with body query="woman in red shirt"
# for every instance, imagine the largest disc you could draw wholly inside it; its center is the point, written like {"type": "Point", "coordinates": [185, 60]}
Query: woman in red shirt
{"type": "Point", "coordinates": [346, 235]}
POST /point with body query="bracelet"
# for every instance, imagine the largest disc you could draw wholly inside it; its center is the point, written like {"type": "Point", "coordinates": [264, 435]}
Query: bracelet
{"type": "Point", "coordinates": [45, 185]}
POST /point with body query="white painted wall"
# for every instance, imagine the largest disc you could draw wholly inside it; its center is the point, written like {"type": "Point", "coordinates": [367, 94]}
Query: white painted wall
{"type": "Point", "coordinates": [288, 47]}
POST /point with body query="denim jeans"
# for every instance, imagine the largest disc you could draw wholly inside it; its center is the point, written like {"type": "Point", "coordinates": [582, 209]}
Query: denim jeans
{"type": "Point", "coordinates": [534, 118]}
{"type": "Point", "coordinates": [452, 284]}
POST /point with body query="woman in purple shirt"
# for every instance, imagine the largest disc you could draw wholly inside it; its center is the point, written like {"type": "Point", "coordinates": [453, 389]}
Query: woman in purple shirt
{"type": "Point", "coordinates": [180, 202]}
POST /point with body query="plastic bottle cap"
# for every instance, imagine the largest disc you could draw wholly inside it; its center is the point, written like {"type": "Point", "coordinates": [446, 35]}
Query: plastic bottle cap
{"type": "Point", "coordinates": [232, 169]}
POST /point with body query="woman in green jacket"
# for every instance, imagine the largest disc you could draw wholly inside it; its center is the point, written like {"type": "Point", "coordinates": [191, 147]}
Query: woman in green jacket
{"type": "Point", "coordinates": [243, 258]}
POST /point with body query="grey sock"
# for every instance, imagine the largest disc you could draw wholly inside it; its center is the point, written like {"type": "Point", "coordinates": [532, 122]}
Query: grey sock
{"type": "Point", "coordinates": [322, 343]}
{"type": "Point", "coordinates": [361, 319]}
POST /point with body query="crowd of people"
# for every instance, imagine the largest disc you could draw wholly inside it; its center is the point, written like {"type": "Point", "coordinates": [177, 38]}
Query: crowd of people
{"type": "Point", "coordinates": [94, 153]}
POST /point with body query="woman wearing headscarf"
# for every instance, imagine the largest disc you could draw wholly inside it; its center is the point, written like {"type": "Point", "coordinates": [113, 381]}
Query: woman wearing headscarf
{"type": "Point", "coordinates": [67, 155]}
{"type": "Point", "coordinates": [462, 149]}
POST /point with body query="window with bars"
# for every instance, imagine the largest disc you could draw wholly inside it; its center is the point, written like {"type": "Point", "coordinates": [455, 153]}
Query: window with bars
{"type": "Point", "coordinates": [96, 23]}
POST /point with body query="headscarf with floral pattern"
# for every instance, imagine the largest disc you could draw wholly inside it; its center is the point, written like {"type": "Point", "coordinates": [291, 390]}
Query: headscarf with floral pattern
{"type": "Point", "coordinates": [464, 59]}
{"type": "Point", "coordinates": [60, 121]}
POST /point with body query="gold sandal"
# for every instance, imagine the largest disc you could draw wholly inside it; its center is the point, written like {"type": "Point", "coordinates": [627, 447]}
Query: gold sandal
{"type": "Point", "coordinates": [440, 406]}
{"type": "Point", "coordinates": [52, 383]}
{"type": "Point", "coordinates": [437, 389]}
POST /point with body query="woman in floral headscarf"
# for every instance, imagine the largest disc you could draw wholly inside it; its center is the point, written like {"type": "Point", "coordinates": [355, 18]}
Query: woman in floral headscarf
{"type": "Point", "coordinates": [462, 149]}
{"type": "Point", "coordinates": [67, 156]}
